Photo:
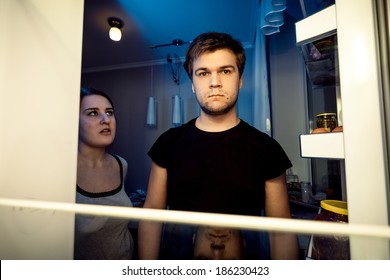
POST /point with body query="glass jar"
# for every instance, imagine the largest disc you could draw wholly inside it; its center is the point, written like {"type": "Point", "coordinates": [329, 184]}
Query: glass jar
{"type": "Point", "coordinates": [327, 247]}
{"type": "Point", "coordinates": [327, 121]}
{"type": "Point", "coordinates": [306, 192]}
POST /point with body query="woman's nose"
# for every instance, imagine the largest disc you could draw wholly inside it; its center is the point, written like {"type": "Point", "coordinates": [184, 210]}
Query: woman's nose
{"type": "Point", "coordinates": [104, 118]}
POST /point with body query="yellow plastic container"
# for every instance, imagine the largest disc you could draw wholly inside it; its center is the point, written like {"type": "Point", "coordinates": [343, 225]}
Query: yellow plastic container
{"type": "Point", "coordinates": [334, 247]}
{"type": "Point", "coordinates": [336, 206]}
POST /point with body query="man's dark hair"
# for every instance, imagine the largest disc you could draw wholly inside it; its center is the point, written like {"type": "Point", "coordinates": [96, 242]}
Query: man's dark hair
{"type": "Point", "coordinates": [210, 42]}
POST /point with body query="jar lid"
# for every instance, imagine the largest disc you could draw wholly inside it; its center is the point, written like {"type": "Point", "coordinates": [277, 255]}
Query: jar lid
{"type": "Point", "coordinates": [325, 114]}
{"type": "Point", "coordinates": [335, 206]}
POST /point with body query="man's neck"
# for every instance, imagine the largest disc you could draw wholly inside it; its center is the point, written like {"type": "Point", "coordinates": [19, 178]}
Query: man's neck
{"type": "Point", "coordinates": [220, 123]}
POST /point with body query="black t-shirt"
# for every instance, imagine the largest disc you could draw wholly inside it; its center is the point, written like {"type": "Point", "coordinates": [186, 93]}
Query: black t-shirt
{"type": "Point", "coordinates": [218, 172]}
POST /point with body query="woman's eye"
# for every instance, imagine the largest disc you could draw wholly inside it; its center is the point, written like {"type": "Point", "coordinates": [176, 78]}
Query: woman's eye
{"type": "Point", "coordinates": [93, 113]}
{"type": "Point", "coordinates": [110, 112]}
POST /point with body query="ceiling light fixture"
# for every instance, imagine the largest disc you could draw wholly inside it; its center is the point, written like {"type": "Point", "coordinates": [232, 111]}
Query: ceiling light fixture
{"type": "Point", "coordinates": [115, 30]}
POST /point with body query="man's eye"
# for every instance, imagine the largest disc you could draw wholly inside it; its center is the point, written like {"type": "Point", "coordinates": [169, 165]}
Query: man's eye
{"type": "Point", "coordinates": [226, 71]}
{"type": "Point", "coordinates": [202, 74]}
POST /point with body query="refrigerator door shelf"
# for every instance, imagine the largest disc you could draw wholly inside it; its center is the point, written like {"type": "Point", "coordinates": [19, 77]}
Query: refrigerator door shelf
{"type": "Point", "coordinates": [324, 145]}
{"type": "Point", "coordinates": [316, 26]}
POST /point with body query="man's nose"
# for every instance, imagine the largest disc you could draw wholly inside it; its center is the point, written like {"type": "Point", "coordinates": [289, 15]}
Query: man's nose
{"type": "Point", "coordinates": [215, 80]}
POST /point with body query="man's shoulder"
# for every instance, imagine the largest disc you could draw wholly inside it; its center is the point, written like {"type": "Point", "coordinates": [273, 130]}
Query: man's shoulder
{"type": "Point", "coordinates": [175, 132]}
{"type": "Point", "coordinates": [253, 131]}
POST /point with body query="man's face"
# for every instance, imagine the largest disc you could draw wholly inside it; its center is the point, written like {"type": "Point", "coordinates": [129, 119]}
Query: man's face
{"type": "Point", "coordinates": [212, 243]}
{"type": "Point", "coordinates": [216, 81]}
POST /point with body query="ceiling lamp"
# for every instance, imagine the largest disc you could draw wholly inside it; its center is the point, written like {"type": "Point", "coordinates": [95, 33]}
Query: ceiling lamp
{"type": "Point", "coordinates": [115, 30]}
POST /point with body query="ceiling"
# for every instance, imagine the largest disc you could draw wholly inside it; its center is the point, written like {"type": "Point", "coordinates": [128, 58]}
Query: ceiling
{"type": "Point", "coordinates": [152, 22]}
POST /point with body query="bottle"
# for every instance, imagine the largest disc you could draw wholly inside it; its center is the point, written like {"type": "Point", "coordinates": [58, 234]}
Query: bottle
{"type": "Point", "coordinates": [290, 176]}
{"type": "Point", "coordinates": [306, 191]}
{"type": "Point", "coordinates": [293, 186]}
{"type": "Point", "coordinates": [327, 121]}
{"type": "Point", "coordinates": [336, 247]}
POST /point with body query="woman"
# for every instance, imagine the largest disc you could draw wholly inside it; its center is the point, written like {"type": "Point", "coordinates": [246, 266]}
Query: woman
{"type": "Point", "coordinates": [100, 180]}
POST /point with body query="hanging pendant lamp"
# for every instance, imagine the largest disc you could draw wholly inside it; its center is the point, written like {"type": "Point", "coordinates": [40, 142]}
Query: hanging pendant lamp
{"type": "Point", "coordinates": [151, 118]}
{"type": "Point", "coordinates": [176, 114]}
{"type": "Point", "coordinates": [151, 114]}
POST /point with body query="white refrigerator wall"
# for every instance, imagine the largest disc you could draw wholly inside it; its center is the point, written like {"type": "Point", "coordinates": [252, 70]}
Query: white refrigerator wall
{"type": "Point", "coordinates": [40, 58]}
{"type": "Point", "coordinates": [366, 163]}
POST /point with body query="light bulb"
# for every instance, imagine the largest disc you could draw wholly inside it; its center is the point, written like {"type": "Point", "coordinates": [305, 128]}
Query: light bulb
{"type": "Point", "coordinates": [115, 34]}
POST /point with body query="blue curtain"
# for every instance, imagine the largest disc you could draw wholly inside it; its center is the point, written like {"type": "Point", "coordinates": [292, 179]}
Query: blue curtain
{"type": "Point", "coordinates": [261, 110]}
{"type": "Point", "coordinates": [269, 20]}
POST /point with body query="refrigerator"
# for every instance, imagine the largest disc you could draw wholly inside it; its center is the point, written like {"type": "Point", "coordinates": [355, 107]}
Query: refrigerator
{"type": "Point", "coordinates": [26, 161]}
{"type": "Point", "coordinates": [345, 47]}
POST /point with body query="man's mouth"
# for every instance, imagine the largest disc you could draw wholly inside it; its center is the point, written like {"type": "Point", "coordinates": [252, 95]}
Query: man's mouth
{"type": "Point", "coordinates": [216, 93]}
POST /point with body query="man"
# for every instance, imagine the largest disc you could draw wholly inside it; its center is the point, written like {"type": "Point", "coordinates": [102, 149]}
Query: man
{"type": "Point", "coordinates": [217, 162]}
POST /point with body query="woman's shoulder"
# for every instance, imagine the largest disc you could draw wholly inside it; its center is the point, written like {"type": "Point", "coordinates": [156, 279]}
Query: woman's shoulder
{"type": "Point", "coordinates": [122, 163]}
{"type": "Point", "coordinates": [119, 158]}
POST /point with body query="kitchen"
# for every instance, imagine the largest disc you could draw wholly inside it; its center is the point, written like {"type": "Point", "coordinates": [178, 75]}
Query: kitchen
{"type": "Point", "coordinates": [287, 91]}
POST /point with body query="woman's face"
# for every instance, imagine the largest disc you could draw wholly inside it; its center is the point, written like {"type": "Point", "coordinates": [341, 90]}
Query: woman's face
{"type": "Point", "coordinates": [97, 124]}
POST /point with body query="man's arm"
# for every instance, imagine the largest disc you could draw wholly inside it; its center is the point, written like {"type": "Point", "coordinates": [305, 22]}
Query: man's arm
{"type": "Point", "coordinates": [283, 245]}
{"type": "Point", "coordinates": [149, 233]}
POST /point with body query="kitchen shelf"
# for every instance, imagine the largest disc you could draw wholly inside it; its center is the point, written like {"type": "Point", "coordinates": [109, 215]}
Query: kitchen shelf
{"type": "Point", "coordinates": [322, 145]}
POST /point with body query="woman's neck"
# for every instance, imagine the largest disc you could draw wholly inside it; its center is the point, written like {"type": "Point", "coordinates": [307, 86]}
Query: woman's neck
{"type": "Point", "coordinates": [91, 156]}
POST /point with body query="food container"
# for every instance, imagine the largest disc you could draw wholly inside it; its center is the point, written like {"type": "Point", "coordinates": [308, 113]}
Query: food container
{"type": "Point", "coordinates": [327, 121]}
{"type": "Point", "coordinates": [335, 247]}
